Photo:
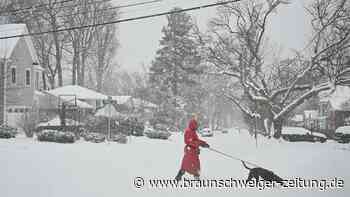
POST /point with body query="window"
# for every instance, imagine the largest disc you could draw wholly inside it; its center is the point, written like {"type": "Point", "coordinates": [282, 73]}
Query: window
{"type": "Point", "coordinates": [13, 75]}
{"type": "Point", "coordinates": [27, 77]}
{"type": "Point", "coordinates": [37, 80]}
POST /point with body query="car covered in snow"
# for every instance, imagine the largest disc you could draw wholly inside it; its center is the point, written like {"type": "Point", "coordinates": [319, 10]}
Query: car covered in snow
{"type": "Point", "coordinates": [224, 131]}
{"type": "Point", "coordinates": [156, 133]}
{"type": "Point", "coordinates": [206, 132]}
{"type": "Point", "coordinates": [299, 134]}
{"type": "Point", "coordinates": [342, 134]}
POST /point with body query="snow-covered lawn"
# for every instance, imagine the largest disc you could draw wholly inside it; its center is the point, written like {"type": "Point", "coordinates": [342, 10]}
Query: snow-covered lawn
{"type": "Point", "coordinates": [29, 168]}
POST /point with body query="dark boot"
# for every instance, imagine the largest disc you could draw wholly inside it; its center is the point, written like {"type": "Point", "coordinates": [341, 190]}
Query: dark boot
{"type": "Point", "coordinates": [179, 175]}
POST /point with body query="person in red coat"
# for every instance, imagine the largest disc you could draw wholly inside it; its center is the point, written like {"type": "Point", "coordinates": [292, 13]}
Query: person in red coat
{"type": "Point", "coordinates": [190, 161]}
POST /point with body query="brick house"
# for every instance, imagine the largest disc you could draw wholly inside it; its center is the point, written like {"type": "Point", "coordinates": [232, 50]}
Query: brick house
{"type": "Point", "coordinates": [335, 108]}
{"type": "Point", "coordinates": [20, 74]}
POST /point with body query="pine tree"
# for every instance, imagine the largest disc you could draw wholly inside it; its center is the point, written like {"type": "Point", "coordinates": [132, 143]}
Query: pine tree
{"type": "Point", "coordinates": [176, 65]}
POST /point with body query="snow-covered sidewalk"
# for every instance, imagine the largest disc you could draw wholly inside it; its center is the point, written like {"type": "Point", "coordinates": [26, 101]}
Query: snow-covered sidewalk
{"type": "Point", "coordinates": [29, 168]}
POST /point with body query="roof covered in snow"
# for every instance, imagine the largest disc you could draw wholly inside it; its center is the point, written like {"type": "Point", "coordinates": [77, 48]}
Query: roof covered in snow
{"type": "Point", "coordinates": [47, 100]}
{"type": "Point", "coordinates": [121, 99]}
{"type": "Point", "coordinates": [108, 111]}
{"type": "Point", "coordinates": [78, 91]}
{"type": "Point", "coordinates": [339, 99]}
{"type": "Point", "coordinates": [8, 45]}
{"type": "Point", "coordinates": [143, 103]}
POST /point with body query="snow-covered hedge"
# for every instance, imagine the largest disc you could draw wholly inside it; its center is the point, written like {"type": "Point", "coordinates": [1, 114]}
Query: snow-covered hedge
{"type": "Point", "coordinates": [94, 137]}
{"type": "Point", "coordinates": [56, 136]}
{"type": "Point", "coordinates": [157, 134]}
{"type": "Point", "coordinates": [122, 139]}
{"type": "Point", "coordinates": [131, 127]}
{"type": "Point", "coordinates": [7, 131]}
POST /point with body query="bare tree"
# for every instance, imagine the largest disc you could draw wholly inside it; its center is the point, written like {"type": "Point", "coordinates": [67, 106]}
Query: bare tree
{"type": "Point", "coordinates": [82, 39]}
{"type": "Point", "coordinates": [44, 18]}
{"type": "Point", "coordinates": [238, 50]}
{"type": "Point", "coordinates": [104, 46]}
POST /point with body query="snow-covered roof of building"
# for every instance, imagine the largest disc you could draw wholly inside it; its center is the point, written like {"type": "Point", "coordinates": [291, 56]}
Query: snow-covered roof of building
{"type": "Point", "coordinates": [109, 111]}
{"type": "Point", "coordinates": [313, 114]}
{"type": "Point", "coordinates": [121, 99]}
{"type": "Point", "coordinates": [8, 45]}
{"type": "Point", "coordinates": [46, 102]}
{"type": "Point", "coordinates": [78, 91]}
{"type": "Point", "coordinates": [339, 99]}
{"type": "Point", "coordinates": [143, 103]}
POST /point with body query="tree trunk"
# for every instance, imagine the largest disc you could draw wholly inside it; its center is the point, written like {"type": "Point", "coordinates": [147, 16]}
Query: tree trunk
{"type": "Point", "coordinates": [58, 51]}
{"type": "Point", "coordinates": [277, 124]}
{"type": "Point", "coordinates": [52, 82]}
{"type": "Point", "coordinates": [82, 69]}
{"type": "Point", "coordinates": [74, 70]}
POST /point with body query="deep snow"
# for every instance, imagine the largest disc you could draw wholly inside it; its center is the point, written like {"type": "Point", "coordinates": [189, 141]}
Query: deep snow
{"type": "Point", "coordinates": [31, 168]}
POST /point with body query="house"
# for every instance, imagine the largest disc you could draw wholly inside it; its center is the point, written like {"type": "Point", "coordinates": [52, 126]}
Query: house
{"type": "Point", "coordinates": [297, 120]}
{"type": "Point", "coordinates": [142, 109]}
{"type": "Point", "coordinates": [335, 107]}
{"type": "Point", "coordinates": [20, 74]}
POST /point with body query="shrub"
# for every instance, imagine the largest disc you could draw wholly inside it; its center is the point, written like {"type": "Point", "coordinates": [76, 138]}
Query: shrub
{"type": "Point", "coordinates": [157, 134]}
{"type": "Point", "coordinates": [94, 137]}
{"type": "Point", "coordinates": [56, 136]}
{"type": "Point", "coordinates": [131, 126]}
{"type": "Point", "coordinates": [122, 139]}
{"type": "Point", "coordinates": [28, 122]}
{"type": "Point", "coordinates": [7, 131]}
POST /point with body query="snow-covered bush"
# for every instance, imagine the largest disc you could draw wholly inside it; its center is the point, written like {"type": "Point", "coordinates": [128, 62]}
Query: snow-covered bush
{"type": "Point", "coordinates": [28, 122]}
{"type": "Point", "coordinates": [122, 139]}
{"type": "Point", "coordinates": [56, 136]}
{"type": "Point", "coordinates": [157, 134]}
{"type": "Point", "coordinates": [94, 137]}
{"type": "Point", "coordinates": [99, 125]}
{"type": "Point", "coordinates": [7, 131]}
{"type": "Point", "coordinates": [131, 126]}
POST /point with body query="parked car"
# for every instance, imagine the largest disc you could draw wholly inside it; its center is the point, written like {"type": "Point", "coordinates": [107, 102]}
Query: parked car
{"type": "Point", "coordinates": [7, 131]}
{"type": "Point", "coordinates": [224, 131]}
{"type": "Point", "coordinates": [342, 134]}
{"type": "Point", "coordinates": [319, 137]}
{"type": "Point", "coordinates": [206, 132]}
{"type": "Point", "coordinates": [299, 134]}
{"type": "Point", "coordinates": [156, 133]}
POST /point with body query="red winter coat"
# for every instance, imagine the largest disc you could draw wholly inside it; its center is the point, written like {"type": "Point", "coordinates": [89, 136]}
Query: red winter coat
{"type": "Point", "coordinates": [190, 161]}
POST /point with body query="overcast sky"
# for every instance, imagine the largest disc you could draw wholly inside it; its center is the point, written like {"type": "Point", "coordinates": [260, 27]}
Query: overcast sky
{"type": "Point", "coordinates": [139, 40]}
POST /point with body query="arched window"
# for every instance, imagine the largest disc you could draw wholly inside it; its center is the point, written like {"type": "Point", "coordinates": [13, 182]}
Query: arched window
{"type": "Point", "coordinates": [13, 75]}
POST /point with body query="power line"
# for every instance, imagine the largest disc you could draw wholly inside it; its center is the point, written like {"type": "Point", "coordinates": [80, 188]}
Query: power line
{"type": "Point", "coordinates": [61, 7]}
{"type": "Point", "coordinates": [35, 6]}
{"type": "Point", "coordinates": [114, 7]}
{"type": "Point", "coordinates": [125, 20]}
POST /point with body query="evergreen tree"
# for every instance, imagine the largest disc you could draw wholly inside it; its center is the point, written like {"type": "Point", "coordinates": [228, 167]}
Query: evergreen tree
{"type": "Point", "coordinates": [176, 66]}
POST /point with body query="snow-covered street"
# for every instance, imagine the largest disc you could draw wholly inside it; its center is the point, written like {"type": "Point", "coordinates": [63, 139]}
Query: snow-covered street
{"type": "Point", "coordinates": [31, 168]}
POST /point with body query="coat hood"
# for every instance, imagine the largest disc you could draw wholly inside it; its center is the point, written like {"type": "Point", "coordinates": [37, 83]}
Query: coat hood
{"type": "Point", "coordinates": [193, 125]}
